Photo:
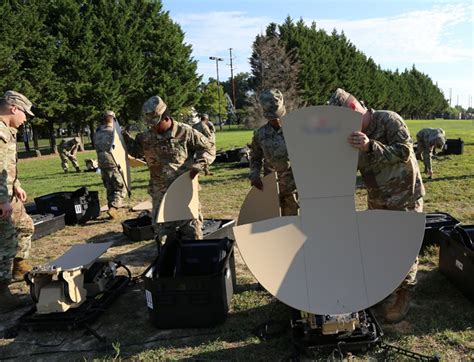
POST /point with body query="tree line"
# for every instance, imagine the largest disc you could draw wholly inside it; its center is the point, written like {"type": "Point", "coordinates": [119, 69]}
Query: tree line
{"type": "Point", "coordinates": [76, 58]}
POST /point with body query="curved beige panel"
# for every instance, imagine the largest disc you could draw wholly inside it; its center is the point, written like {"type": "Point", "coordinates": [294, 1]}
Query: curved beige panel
{"type": "Point", "coordinates": [273, 251]}
{"type": "Point", "coordinates": [390, 242]}
{"type": "Point", "coordinates": [261, 204]}
{"type": "Point", "coordinates": [120, 155]}
{"type": "Point", "coordinates": [323, 163]}
{"type": "Point", "coordinates": [181, 200]}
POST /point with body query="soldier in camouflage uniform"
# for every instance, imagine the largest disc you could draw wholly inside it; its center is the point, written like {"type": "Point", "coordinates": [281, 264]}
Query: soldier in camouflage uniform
{"type": "Point", "coordinates": [67, 150]}
{"type": "Point", "coordinates": [16, 226]}
{"type": "Point", "coordinates": [268, 149]}
{"type": "Point", "coordinates": [208, 130]}
{"type": "Point", "coordinates": [170, 149]}
{"type": "Point", "coordinates": [427, 140]}
{"type": "Point", "coordinates": [388, 166]}
{"type": "Point", "coordinates": [111, 177]}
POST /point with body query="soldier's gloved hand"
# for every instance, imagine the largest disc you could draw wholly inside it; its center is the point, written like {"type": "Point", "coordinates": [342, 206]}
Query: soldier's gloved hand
{"type": "Point", "coordinates": [5, 210]}
{"type": "Point", "coordinates": [193, 172]}
{"type": "Point", "coordinates": [257, 182]}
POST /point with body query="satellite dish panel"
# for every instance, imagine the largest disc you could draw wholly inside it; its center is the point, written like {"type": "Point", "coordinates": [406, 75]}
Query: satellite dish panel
{"type": "Point", "coordinates": [181, 200]}
{"type": "Point", "coordinates": [261, 204]}
{"type": "Point", "coordinates": [120, 155]}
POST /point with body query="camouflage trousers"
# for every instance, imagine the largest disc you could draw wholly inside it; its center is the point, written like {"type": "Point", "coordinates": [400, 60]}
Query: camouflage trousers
{"type": "Point", "coordinates": [15, 240]}
{"type": "Point", "coordinates": [174, 230]}
{"type": "Point", "coordinates": [288, 196]}
{"type": "Point", "coordinates": [67, 156]}
{"type": "Point", "coordinates": [410, 280]}
{"type": "Point", "coordinates": [210, 158]}
{"type": "Point", "coordinates": [114, 185]}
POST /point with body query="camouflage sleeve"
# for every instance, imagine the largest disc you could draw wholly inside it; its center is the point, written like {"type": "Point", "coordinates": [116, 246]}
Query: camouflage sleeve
{"type": "Point", "coordinates": [211, 127]}
{"type": "Point", "coordinates": [201, 146]}
{"type": "Point", "coordinates": [3, 170]}
{"type": "Point", "coordinates": [398, 147]}
{"type": "Point", "coordinates": [256, 157]}
{"type": "Point", "coordinates": [134, 147]}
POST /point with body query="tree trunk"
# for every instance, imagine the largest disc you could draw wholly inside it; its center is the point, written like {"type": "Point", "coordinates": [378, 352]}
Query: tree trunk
{"type": "Point", "coordinates": [52, 138]}
{"type": "Point", "coordinates": [92, 129]}
{"type": "Point", "coordinates": [35, 141]}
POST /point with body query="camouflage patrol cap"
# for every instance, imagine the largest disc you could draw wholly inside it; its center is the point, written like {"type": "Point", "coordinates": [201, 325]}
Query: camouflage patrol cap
{"type": "Point", "coordinates": [272, 104]}
{"type": "Point", "coordinates": [18, 100]}
{"type": "Point", "coordinates": [205, 116]}
{"type": "Point", "coordinates": [153, 109]}
{"type": "Point", "coordinates": [339, 97]}
{"type": "Point", "coordinates": [108, 113]}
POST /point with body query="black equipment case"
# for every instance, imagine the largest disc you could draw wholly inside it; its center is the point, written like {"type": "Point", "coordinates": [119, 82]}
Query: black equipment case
{"type": "Point", "coordinates": [140, 228]}
{"type": "Point", "coordinates": [79, 206]}
{"type": "Point", "coordinates": [191, 283]}
{"type": "Point", "coordinates": [456, 257]}
{"type": "Point", "coordinates": [45, 224]}
{"type": "Point", "coordinates": [434, 222]}
{"type": "Point", "coordinates": [453, 147]}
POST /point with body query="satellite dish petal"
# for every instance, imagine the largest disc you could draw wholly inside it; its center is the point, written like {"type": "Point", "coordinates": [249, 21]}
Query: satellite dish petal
{"type": "Point", "coordinates": [390, 242]}
{"type": "Point", "coordinates": [273, 251]}
{"type": "Point", "coordinates": [261, 204]}
{"type": "Point", "coordinates": [181, 200]}
{"type": "Point", "coordinates": [120, 155]}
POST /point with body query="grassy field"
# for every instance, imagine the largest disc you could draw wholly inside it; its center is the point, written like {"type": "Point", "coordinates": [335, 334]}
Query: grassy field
{"type": "Point", "coordinates": [440, 320]}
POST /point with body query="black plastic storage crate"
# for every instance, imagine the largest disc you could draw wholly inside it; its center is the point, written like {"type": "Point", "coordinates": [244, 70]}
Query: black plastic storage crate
{"type": "Point", "coordinates": [140, 228]}
{"type": "Point", "coordinates": [78, 206]}
{"type": "Point", "coordinates": [191, 283]}
{"type": "Point", "coordinates": [456, 257]}
{"type": "Point", "coordinates": [453, 147]}
{"type": "Point", "coordinates": [44, 224]}
{"type": "Point", "coordinates": [434, 222]}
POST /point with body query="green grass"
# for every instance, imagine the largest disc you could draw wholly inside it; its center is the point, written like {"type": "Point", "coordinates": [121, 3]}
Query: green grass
{"type": "Point", "coordinates": [440, 320]}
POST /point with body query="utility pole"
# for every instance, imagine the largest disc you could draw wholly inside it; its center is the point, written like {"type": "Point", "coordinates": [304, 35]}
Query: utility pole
{"type": "Point", "coordinates": [232, 78]}
{"type": "Point", "coordinates": [450, 94]}
{"type": "Point", "coordinates": [217, 59]}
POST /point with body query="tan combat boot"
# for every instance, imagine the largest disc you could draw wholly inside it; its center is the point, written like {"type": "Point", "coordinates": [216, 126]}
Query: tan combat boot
{"type": "Point", "coordinates": [20, 267]}
{"type": "Point", "coordinates": [8, 301]}
{"type": "Point", "coordinates": [113, 213]}
{"type": "Point", "coordinates": [399, 309]}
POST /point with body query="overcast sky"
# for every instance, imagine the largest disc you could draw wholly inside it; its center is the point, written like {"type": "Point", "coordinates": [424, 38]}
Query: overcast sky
{"type": "Point", "coordinates": [437, 35]}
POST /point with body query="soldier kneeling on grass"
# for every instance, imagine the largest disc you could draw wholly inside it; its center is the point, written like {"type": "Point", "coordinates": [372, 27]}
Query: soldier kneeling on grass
{"type": "Point", "coordinates": [111, 177]}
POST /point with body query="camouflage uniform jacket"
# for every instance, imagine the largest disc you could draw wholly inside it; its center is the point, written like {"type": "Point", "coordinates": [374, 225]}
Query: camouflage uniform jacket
{"type": "Point", "coordinates": [8, 161]}
{"type": "Point", "coordinates": [268, 146]}
{"type": "Point", "coordinates": [103, 139]}
{"type": "Point", "coordinates": [170, 154]}
{"type": "Point", "coordinates": [69, 146]}
{"type": "Point", "coordinates": [390, 170]}
{"type": "Point", "coordinates": [207, 130]}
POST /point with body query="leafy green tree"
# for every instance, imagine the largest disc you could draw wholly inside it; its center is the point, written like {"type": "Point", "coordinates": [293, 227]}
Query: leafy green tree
{"type": "Point", "coordinates": [209, 100]}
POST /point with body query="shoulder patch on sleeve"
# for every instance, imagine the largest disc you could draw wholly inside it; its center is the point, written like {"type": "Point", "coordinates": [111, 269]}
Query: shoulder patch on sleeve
{"type": "Point", "coordinates": [204, 139]}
